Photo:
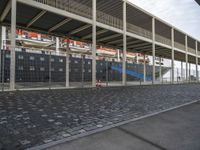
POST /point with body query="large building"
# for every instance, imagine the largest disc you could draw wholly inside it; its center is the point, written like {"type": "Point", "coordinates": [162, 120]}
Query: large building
{"type": "Point", "coordinates": [116, 24]}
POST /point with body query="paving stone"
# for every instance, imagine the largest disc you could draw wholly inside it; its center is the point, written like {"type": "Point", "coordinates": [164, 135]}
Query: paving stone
{"type": "Point", "coordinates": [42, 115]}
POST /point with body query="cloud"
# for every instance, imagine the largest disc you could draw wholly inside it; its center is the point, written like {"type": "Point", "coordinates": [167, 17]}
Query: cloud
{"type": "Point", "coordinates": [184, 14]}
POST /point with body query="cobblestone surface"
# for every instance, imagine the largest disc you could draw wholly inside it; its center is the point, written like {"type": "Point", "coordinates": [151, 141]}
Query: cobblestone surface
{"type": "Point", "coordinates": [30, 118]}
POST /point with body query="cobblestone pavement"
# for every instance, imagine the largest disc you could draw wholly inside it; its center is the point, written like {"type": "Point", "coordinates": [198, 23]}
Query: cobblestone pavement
{"type": "Point", "coordinates": [30, 118]}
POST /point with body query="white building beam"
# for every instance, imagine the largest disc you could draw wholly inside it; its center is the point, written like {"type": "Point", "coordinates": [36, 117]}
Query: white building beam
{"type": "Point", "coordinates": [153, 50]}
{"type": "Point", "coordinates": [13, 44]}
{"type": "Point", "coordinates": [36, 18]}
{"type": "Point", "coordinates": [186, 57]}
{"type": "Point", "coordinates": [94, 7]}
{"type": "Point", "coordinates": [80, 29]}
{"type": "Point", "coordinates": [67, 64]}
{"type": "Point", "coordinates": [172, 59]}
{"type": "Point", "coordinates": [124, 43]}
{"type": "Point", "coordinates": [197, 61]}
{"type": "Point", "coordinates": [60, 24]}
{"type": "Point", "coordinates": [5, 11]}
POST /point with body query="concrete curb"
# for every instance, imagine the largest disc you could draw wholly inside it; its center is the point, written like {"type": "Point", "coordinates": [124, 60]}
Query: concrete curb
{"type": "Point", "coordinates": [44, 146]}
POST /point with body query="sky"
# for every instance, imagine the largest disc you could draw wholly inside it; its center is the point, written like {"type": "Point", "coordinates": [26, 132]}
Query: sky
{"type": "Point", "coordinates": [183, 14]}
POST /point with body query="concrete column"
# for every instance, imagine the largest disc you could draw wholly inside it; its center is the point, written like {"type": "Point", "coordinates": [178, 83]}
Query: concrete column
{"type": "Point", "coordinates": [0, 50]}
{"type": "Point", "coordinates": [94, 43]}
{"type": "Point", "coordinates": [13, 44]}
{"type": "Point", "coordinates": [124, 45]}
{"type": "Point", "coordinates": [57, 45]}
{"type": "Point", "coordinates": [197, 61]}
{"type": "Point", "coordinates": [3, 37]}
{"type": "Point", "coordinates": [153, 50]}
{"type": "Point", "coordinates": [82, 70]}
{"type": "Point", "coordinates": [186, 57]}
{"type": "Point", "coordinates": [160, 70]}
{"type": "Point", "coordinates": [67, 65]}
{"type": "Point", "coordinates": [144, 68]}
{"type": "Point", "coordinates": [172, 63]}
{"type": "Point", "coordinates": [118, 56]}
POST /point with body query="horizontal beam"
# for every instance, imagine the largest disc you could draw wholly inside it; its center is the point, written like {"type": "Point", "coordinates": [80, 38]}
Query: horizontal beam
{"type": "Point", "coordinates": [59, 24]}
{"type": "Point", "coordinates": [36, 18]}
{"type": "Point", "coordinates": [98, 33]}
{"type": "Point", "coordinates": [131, 42]}
{"type": "Point", "coordinates": [138, 45]}
{"type": "Point", "coordinates": [80, 29]}
{"type": "Point", "coordinates": [5, 11]}
{"type": "Point", "coordinates": [109, 37]}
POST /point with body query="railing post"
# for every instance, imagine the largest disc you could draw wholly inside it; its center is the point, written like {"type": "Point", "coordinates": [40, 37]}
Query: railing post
{"type": "Point", "coordinates": [13, 44]}
{"type": "Point", "coordinates": [186, 57]}
{"type": "Point", "coordinates": [153, 50]}
{"type": "Point", "coordinates": [197, 61]}
{"type": "Point", "coordinates": [94, 43]}
{"type": "Point", "coordinates": [172, 63]}
{"type": "Point", "coordinates": [124, 44]}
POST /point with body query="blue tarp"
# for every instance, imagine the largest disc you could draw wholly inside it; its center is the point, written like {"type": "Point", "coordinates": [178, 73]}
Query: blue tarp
{"type": "Point", "coordinates": [131, 73]}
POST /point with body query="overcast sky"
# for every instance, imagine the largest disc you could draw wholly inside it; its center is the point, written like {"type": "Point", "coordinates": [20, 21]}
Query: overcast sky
{"type": "Point", "coordinates": [183, 14]}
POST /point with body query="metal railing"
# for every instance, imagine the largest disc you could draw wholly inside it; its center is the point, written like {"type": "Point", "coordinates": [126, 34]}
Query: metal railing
{"type": "Point", "coordinates": [191, 50]}
{"type": "Point", "coordinates": [179, 46]}
{"type": "Point", "coordinates": [139, 31]}
{"type": "Point", "coordinates": [162, 39]}
{"type": "Point", "coordinates": [86, 11]}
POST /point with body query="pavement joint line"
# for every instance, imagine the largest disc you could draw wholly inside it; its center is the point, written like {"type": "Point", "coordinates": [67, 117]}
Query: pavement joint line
{"type": "Point", "coordinates": [54, 143]}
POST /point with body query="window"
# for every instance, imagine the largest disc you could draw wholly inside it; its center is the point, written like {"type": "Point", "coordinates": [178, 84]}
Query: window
{"type": "Point", "coordinates": [20, 57]}
{"type": "Point", "coordinates": [7, 55]}
{"type": "Point", "coordinates": [52, 69]}
{"type": "Point", "coordinates": [31, 58]}
{"type": "Point", "coordinates": [20, 68]}
{"type": "Point", "coordinates": [61, 69]}
{"type": "Point", "coordinates": [61, 60]}
{"type": "Point", "coordinates": [41, 58]}
{"type": "Point", "coordinates": [89, 70]}
{"type": "Point", "coordinates": [89, 62]}
{"type": "Point", "coordinates": [75, 61]}
{"type": "Point", "coordinates": [42, 69]}
{"type": "Point", "coordinates": [52, 60]}
{"type": "Point", "coordinates": [32, 68]}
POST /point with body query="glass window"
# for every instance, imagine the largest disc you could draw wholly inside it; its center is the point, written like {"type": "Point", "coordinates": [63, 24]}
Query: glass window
{"type": "Point", "coordinates": [61, 60]}
{"type": "Point", "coordinates": [41, 58]}
{"type": "Point", "coordinates": [32, 68]}
{"type": "Point", "coordinates": [20, 68]}
{"type": "Point", "coordinates": [20, 57]}
{"type": "Point", "coordinates": [42, 69]}
{"type": "Point", "coordinates": [52, 60]}
{"type": "Point", "coordinates": [61, 69]}
{"type": "Point", "coordinates": [32, 58]}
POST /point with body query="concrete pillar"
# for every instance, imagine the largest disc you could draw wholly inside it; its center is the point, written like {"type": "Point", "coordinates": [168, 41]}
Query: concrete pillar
{"type": "Point", "coordinates": [153, 50]}
{"type": "Point", "coordinates": [0, 50]}
{"type": "Point", "coordinates": [186, 57]}
{"type": "Point", "coordinates": [160, 70]}
{"type": "Point", "coordinates": [172, 63]}
{"type": "Point", "coordinates": [67, 65]}
{"type": "Point", "coordinates": [144, 77]}
{"type": "Point", "coordinates": [124, 45]}
{"type": "Point", "coordinates": [3, 37]}
{"type": "Point", "coordinates": [94, 43]}
{"type": "Point", "coordinates": [13, 44]}
{"type": "Point", "coordinates": [82, 70]}
{"type": "Point", "coordinates": [118, 56]}
{"type": "Point", "coordinates": [197, 61]}
{"type": "Point", "coordinates": [57, 45]}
